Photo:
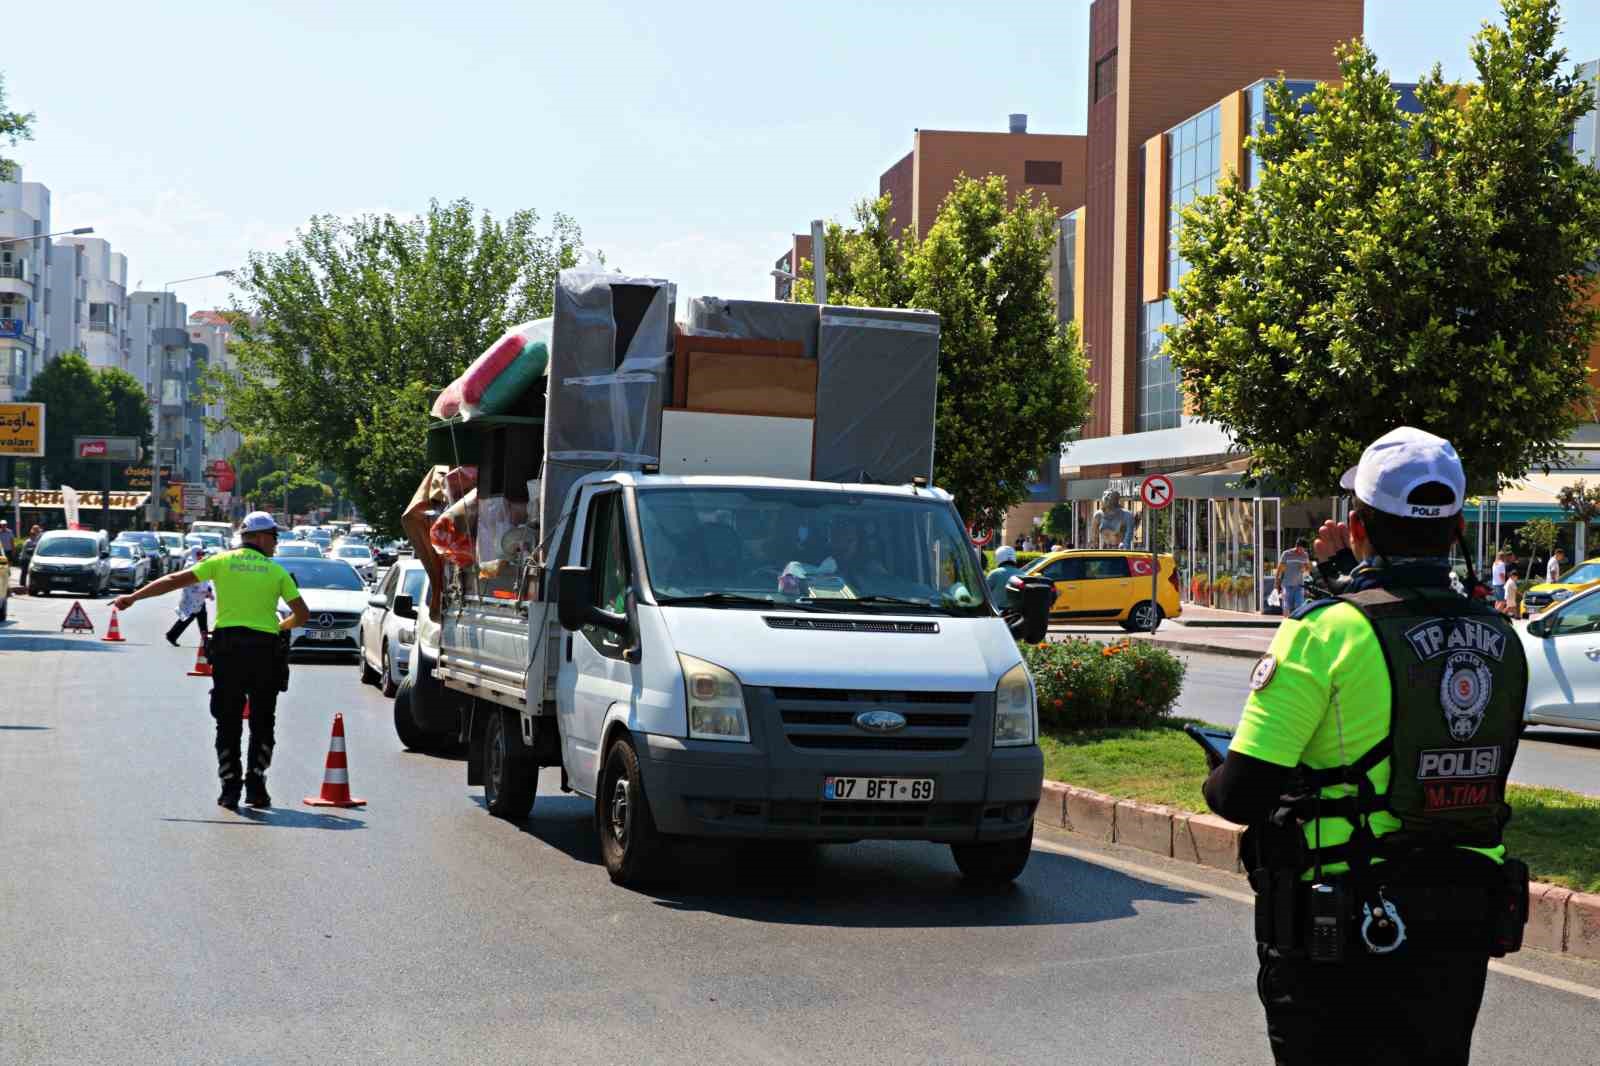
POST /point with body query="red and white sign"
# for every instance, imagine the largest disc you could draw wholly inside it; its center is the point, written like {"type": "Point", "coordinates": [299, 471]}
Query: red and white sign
{"type": "Point", "coordinates": [981, 538]}
{"type": "Point", "coordinates": [77, 620]}
{"type": "Point", "coordinates": [1156, 492]}
{"type": "Point", "coordinates": [91, 448]}
{"type": "Point", "coordinates": [222, 471]}
{"type": "Point", "coordinates": [1140, 566]}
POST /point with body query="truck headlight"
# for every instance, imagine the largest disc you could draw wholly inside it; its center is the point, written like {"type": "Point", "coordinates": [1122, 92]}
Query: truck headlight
{"type": "Point", "coordinates": [1014, 709]}
{"type": "Point", "coordinates": [715, 700]}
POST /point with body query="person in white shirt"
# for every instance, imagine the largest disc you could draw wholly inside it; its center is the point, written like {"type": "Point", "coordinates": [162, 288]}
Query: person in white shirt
{"type": "Point", "coordinates": [192, 605]}
{"type": "Point", "coordinates": [1558, 563]}
{"type": "Point", "coordinates": [1497, 579]}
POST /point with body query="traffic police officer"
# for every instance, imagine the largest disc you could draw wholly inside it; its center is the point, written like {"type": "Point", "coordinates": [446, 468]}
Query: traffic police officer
{"type": "Point", "coordinates": [243, 649]}
{"type": "Point", "coordinates": [1370, 767]}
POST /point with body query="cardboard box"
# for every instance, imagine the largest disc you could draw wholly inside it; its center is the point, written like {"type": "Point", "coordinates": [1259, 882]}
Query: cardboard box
{"type": "Point", "coordinates": [686, 344]}
{"type": "Point", "coordinates": [751, 384]}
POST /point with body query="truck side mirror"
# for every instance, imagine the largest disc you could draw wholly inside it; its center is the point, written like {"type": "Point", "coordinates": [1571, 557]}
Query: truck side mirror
{"type": "Point", "coordinates": [1031, 623]}
{"type": "Point", "coordinates": [575, 603]}
{"type": "Point", "coordinates": [404, 607]}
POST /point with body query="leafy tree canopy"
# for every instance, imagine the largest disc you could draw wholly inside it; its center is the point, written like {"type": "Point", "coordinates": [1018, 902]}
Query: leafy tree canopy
{"type": "Point", "coordinates": [15, 126]}
{"type": "Point", "coordinates": [303, 493]}
{"type": "Point", "coordinates": [347, 332]}
{"type": "Point", "coordinates": [1012, 382]}
{"type": "Point", "coordinates": [77, 404]}
{"type": "Point", "coordinates": [1389, 268]}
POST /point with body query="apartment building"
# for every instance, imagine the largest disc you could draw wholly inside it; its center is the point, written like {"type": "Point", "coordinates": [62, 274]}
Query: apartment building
{"type": "Point", "coordinates": [214, 331]}
{"type": "Point", "coordinates": [163, 356]}
{"type": "Point", "coordinates": [25, 297]}
{"type": "Point", "coordinates": [99, 305]}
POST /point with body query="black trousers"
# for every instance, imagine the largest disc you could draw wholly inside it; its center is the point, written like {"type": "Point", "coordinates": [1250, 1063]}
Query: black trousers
{"type": "Point", "coordinates": [183, 623]}
{"type": "Point", "coordinates": [1416, 1008]}
{"type": "Point", "coordinates": [244, 664]}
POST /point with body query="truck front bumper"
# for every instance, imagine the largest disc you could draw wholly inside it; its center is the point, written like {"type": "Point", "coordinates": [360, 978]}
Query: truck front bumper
{"type": "Point", "coordinates": [709, 789]}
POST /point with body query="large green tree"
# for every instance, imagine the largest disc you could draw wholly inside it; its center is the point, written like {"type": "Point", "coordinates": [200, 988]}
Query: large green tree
{"type": "Point", "coordinates": [1013, 382]}
{"type": "Point", "coordinates": [1387, 268]}
{"type": "Point", "coordinates": [348, 331]}
{"type": "Point", "coordinates": [301, 492]}
{"type": "Point", "coordinates": [130, 406]}
{"type": "Point", "coordinates": [76, 405]}
{"type": "Point", "coordinates": [15, 126]}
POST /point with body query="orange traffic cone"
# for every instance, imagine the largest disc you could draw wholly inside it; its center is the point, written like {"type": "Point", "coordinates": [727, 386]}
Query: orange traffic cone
{"type": "Point", "coordinates": [245, 717]}
{"type": "Point", "coordinates": [202, 668]}
{"type": "Point", "coordinates": [113, 633]}
{"type": "Point", "coordinates": [336, 777]}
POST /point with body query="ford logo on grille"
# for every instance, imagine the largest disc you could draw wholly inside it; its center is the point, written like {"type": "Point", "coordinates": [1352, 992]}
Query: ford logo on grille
{"type": "Point", "coordinates": [880, 721]}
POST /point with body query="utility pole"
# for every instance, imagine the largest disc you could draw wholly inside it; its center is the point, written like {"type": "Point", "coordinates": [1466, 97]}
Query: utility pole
{"type": "Point", "coordinates": [819, 271]}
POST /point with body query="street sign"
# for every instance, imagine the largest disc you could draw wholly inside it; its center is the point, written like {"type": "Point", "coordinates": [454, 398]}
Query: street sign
{"type": "Point", "coordinates": [194, 499]}
{"type": "Point", "coordinates": [108, 449]}
{"type": "Point", "coordinates": [1156, 492]}
{"type": "Point", "coordinates": [22, 430]}
{"type": "Point", "coordinates": [980, 538]}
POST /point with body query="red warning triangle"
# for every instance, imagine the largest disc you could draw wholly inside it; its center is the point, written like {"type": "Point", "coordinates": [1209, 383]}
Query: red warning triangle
{"type": "Point", "coordinates": [78, 619]}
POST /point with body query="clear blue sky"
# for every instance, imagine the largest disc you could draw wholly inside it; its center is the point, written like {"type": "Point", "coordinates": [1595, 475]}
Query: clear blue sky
{"type": "Point", "coordinates": [688, 139]}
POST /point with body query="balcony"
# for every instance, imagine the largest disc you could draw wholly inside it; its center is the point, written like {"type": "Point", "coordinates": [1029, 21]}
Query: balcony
{"type": "Point", "coordinates": [170, 338]}
{"type": "Point", "coordinates": [16, 278]}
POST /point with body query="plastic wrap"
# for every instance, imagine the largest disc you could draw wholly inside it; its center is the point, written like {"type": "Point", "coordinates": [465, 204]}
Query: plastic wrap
{"type": "Point", "coordinates": [458, 481]}
{"type": "Point", "coordinates": [608, 379]}
{"type": "Point", "coordinates": [494, 380]}
{"type": "Point", "coordinates": [761, 319]}
{"type": "Point", "coordinates": [877, 387]}
{"type": "Point", "coordinates": [451, 532]}
{"type": "Point", "coordinates": [503, 537]}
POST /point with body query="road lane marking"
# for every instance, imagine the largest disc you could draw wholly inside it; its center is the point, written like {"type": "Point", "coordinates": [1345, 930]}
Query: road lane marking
{"type": "Point", "coordinates": [1559, 984]}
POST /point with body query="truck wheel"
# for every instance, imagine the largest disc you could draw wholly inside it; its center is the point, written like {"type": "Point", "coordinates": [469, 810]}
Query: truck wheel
{"type": "Point", "coordinates": [405, 726]}
{"type": "Point", "coordinates": [386, 675]}
{"type": "Point", "coordinates": [509, 778]}
{"type": "Point", "coordinates": [629, 841]}
{"type": "Point", "coordinates": [994, 865]}
{"type": "Point", "coordinates": [1139, 619]}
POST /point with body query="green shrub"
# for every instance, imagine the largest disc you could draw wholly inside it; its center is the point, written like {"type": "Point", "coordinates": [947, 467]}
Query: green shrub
{"type": "Point", "coordinates": [1023, 559]}
{"type": "Point", "coordinates": [1083, 683]}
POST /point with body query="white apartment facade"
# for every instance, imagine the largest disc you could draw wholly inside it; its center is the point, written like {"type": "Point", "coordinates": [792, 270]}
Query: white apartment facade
{"type": "Point", "coordinates": [101, 312]}
{"type": "Point", "coordinates": [212, 329]}
{"type": "Point", "coordinates": [25, 297]}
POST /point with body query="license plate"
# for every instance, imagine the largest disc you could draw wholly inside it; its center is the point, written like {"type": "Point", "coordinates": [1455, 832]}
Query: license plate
{"type": "Point", "coordinates": [878, 789]}
{"type": "Point", "coordinates": [325, 635]}
{"type": "Point", "coordinates": [62, 580]}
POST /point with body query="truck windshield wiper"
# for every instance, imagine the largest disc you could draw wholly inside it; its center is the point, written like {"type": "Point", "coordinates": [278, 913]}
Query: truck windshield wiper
{"type": "Point", "coordinates": [844, 603]}
{"type": "Point", "coordinates": [712, 599]}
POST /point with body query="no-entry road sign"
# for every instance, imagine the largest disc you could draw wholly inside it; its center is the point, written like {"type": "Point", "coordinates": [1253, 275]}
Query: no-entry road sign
{"type": "Point", "coordinates": [1156, 492]}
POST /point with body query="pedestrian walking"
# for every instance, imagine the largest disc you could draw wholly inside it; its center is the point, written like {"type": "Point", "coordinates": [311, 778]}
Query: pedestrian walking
{"type": "Point", "coordinates": [192, 605]}
{"type": "Point", "coordinates": [1290, 579]}
{"type": "Point", "coordinates": [243, 649]}
{"type": "Point", "coordinates": [1556, 566]}
{"type": "Point", "coordinates": [1513, 600]}
{"type": "Point", "coordinates": [8, 540]}
{"type": "Point", "coordinates": [25, 554]}
{"type": "Point", "coordinates": [1343, 758]}
{"type": "Point", "coordinates": [1497, 578]}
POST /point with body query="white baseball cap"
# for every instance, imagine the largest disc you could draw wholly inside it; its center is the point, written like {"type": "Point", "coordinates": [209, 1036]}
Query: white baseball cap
{"type": "Point", "coordinates": [258, 522]}
{"type": "Point", "coordinates": [1005, 554]}
{"type": "Point", "coordinates": [1397, 463]}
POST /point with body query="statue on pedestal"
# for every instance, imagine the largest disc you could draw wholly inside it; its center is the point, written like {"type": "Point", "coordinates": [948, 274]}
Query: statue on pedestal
{"type": "Point", "coordinates": [1111, 526]}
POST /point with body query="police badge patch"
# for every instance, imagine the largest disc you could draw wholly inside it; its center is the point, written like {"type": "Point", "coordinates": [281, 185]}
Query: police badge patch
{"type": "Point", "coordinates": [1464, 693]}
{"type": "Point", "coordinates": [1265, 668]}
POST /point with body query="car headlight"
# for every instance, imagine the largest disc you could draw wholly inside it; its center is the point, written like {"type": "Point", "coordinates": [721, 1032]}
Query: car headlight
{"type": "Point", "coordinates": [1014, 709]}
{"type": "Point", "coordinates": [408, 634]}
{"type": "Point", "coordinates": [1560, 594]}
{"type": "Point", "coordinates": [715, 699]}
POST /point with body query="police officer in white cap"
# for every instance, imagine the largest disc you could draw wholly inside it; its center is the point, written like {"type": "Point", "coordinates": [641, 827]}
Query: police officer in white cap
{"type": "Point", "coordinates": [1370, 765]}
{"type": "Point", "coordinates": [243, 649]}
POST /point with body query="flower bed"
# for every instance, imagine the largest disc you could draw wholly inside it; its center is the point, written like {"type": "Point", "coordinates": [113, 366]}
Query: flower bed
{"type": "Point", "coordinates": [1083, 683]}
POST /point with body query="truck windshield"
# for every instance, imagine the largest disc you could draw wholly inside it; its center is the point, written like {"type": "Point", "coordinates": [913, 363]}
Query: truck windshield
{"type": "Point", "coordinates": [746, 547]}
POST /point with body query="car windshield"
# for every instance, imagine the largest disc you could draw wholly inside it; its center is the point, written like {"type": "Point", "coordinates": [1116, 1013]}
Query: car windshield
{"type": "Point", "coordinates": [353, 551]}
{"type": "Point", "coordinates": [171, 540]}
{"type": "Point", "coordinates": [322, 574]}
{"type": "Point", "coordinates": [121, 551]}
{"type": "Point", "coordinates": [415, 585]}
{"type": "Point", "coordinates": [809, 548]}
{"type": "Point", "coordinates": [144, 540]}
{"type": "Point", "coordinates": [67, 547]}
{"type": "Point", "coordinates": [1581, 574]}
{"type": "Point", "coordinates": [298, 551]}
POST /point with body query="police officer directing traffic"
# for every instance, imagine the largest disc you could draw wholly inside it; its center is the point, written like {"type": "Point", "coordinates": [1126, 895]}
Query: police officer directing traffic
{"type": "Point", "coordinates": [1370, 766]}
{"type": "Point", "coordinates": [243, 649]}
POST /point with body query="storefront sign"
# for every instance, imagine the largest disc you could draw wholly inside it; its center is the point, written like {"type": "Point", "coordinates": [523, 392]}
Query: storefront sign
{"type": "Point", "coordinates": [138, 477]}
{"type": "Point", "coordinates": [54, 499]}
{"type": "Point", "coordinates": [194, 499]}
{"type": "Point", "coordinates": [108, 449]}
{"type": "Point", "coordinates": [22, 430]}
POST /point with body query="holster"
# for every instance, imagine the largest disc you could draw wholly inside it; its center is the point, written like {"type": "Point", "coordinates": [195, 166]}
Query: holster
{"type": "Point", "coordinates": [282, 655]}
{"type": "Point", "coordinates": [1510, 914]}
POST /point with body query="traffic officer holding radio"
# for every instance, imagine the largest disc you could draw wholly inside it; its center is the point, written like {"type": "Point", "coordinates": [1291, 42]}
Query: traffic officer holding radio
{"type": "Point", "coordinates": [247, 649]}
{"type": "Point", "coordinates": [1370, 766]}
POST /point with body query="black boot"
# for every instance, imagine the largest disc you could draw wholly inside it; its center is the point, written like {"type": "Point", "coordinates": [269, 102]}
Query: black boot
{"type": "Point", "coordinates": [255, 791]}
{"type": "Point", "coordinates": [229, 798]}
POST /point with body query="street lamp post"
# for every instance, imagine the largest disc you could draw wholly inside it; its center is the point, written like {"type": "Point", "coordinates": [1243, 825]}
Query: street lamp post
{"type": "Point", "coordinates": [79, 232]}
{"type": "Point", "coordinates": [155, 466]}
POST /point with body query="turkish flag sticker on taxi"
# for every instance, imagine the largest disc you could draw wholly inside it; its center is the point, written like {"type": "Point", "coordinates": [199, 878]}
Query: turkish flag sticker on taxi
{"type": "Point", "coordinates": [1139, 566]}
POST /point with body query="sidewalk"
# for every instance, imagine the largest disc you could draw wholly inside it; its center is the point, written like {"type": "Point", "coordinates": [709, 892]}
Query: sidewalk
{"type": "Point", "coordinates": [1246, 642]}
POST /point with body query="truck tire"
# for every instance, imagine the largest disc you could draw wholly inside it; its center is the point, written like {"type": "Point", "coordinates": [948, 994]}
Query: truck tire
{"type": "Point", "coordinates": [993, 865]}
{"type": "Point", "coordinates": [405, 726]}
{"type": "Point", "coordinates": [1138, 620]}
{"type": "Point", "coordinates": [510, 780]}
{"type": "Point", "coordinates": [630, 844]}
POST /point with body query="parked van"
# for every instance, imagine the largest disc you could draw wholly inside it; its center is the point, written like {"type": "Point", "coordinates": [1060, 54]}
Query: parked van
{"type": "Point", "coordinates": [71, 560]}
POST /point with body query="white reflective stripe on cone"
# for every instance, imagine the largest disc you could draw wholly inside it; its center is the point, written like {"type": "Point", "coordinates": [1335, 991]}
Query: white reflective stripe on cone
{"type": "Point", "coordinates": [336, 777]}
{"type": "Point", "coordinates": [337, 744]}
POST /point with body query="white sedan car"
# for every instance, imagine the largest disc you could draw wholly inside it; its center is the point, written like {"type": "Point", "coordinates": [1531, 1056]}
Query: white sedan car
{"type": "Point", "coordinates": [386, 638]}
{"type": "Point", "coordinates": [358, 556]}
{"type": "Point", "coordinates": [335, 596]}
{"type": "Point", "coordinates": [1563, 649]}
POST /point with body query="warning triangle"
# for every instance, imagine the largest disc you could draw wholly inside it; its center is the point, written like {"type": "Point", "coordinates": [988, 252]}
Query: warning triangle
{"type": "Point", "coordinates": [78, 619]}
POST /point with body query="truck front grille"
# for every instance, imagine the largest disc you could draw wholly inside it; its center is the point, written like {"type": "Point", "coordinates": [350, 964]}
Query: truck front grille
{"type": "Point", "coordinates": [825, 719]}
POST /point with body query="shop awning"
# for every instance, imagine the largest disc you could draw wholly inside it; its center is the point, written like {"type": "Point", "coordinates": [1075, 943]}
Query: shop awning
{"type": "Point", "coordinates": [50, 499]}
{"type": "Point", "coordinates": [1193, 440]}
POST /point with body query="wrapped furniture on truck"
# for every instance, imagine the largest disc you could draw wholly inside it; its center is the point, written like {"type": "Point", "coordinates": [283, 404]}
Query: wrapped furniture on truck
{"type": "Point", "coordinates": [728, 602]}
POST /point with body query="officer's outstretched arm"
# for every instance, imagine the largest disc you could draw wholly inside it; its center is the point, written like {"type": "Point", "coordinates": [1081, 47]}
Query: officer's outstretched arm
{"type": "Point", "coordinates": [159, 587]}
{"type": "Point", "coordinates": [298, 615]}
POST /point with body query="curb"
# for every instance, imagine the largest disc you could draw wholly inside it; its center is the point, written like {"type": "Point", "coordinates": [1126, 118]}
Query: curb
{"type": "Point", "coordinates": [1200, 646]}
{"type": "Point", "coordinates": [1560, 920]}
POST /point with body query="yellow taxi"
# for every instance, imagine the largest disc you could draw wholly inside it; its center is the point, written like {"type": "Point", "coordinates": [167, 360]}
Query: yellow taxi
{"type": "Point", "coordinates": [1109, 586]}
{"type": "Point", "coordinates": [1543, 596]}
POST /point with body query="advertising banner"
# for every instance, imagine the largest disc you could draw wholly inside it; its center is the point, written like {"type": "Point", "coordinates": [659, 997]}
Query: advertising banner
{"type": "Point", "coordinates": [22, 430]}
{"type": "Point", "coordinates": [108, 449]}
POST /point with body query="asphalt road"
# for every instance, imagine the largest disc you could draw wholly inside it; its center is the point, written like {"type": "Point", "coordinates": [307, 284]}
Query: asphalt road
{"type": "Point", "coordinates": [145, 925]}
{"type": "Point", "coordinates": [1215, 687]}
